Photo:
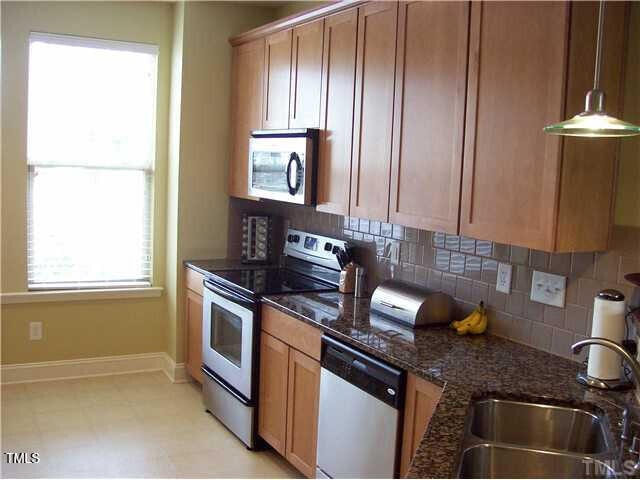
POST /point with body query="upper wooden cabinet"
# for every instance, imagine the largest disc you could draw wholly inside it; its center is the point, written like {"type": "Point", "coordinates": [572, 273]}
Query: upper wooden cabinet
{"type": "Point", "coordinates": [277, 80]}
{"type": "Point", "coordinates": [336, 127]}
{"type": "Point", "coordinates": [306, 75]}
{"type": "Point", "coordinates": [246, 110]}
{"type": "Point", "coordinates": [520, 186]}
{"type": "Point", "coordinates": [587, 180]}
{"type": "Point", "coordinates": [431, 114]}
{"type": "Point", "coordinates": [431, 76]}
{"type": "Point", "coordinates": [373, 116]}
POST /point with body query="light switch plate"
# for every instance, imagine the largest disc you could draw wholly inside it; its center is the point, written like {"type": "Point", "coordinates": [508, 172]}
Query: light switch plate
{"type": "Point", "coordinates": [503, 283]}
{"type": "Point", "coordinates": [548, 288]}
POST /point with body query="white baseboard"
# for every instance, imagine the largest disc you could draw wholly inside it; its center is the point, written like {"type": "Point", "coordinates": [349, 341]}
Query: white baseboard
{"type": "Point", "coordinates": [94, 367]}
{"type": "Point", "coordinates": [176, 372]}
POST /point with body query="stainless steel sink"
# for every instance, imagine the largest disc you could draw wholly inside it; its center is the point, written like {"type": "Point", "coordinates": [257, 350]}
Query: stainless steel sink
{"type": "Point", "coordinates": [512, 439]}
{"type": "Point", "coordinates": [539, 426]}
{"type": "Point", "coordinates": [495, 461]}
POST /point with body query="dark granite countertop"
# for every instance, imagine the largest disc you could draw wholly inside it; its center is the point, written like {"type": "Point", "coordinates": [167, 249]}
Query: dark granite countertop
{"type": "Point", "coordinates": [203, 266]}
{"type": "Point", "coordinates": [466, 367]}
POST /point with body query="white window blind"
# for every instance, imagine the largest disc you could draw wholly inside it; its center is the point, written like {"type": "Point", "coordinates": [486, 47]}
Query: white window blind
{"type": "Point", "coordinates": [90, 154]}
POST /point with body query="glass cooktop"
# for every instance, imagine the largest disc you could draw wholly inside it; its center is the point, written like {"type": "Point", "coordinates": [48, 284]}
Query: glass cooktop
{"type": "Point", "coordinates": [271, 281]}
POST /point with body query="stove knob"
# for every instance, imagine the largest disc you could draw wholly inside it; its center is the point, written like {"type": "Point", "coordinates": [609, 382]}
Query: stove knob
{"type": "Point", "coordinates": [290, 238]}
{"type": "Point", "coordinates": [296, 238]}
{"type": "Point", "coordinates": [336, 250]}
{"type": "Point", "coordinates": [327, 247]}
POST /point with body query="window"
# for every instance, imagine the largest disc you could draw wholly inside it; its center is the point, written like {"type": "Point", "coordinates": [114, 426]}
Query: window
{"type": "Point", "coordinates": [90, 155]}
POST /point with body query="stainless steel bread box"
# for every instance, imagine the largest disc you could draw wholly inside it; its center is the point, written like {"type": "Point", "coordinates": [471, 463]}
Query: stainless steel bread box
{"type": "Point", "coordinates": [411, 305]}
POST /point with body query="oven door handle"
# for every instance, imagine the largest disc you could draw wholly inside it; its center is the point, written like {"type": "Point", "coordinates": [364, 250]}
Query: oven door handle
{"type": "Point", "coordinates": [230, 295]}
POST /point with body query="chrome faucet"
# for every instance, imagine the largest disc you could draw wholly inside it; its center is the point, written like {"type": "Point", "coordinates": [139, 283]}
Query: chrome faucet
{"type": "Point", "coordinates": [619, 349]}
{"type": "Point", "coordinates": [616, 347]}
{"type": "Point", "coordinates": [634, 448]}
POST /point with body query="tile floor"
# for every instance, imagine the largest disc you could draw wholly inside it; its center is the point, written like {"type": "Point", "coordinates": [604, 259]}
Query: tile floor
{"type": "Point", "coordinates": [134, 425]}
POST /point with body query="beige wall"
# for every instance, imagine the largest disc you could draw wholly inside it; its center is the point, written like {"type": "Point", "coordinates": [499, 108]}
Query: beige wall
{"type": "Point", "coordinates": [76, 329]}
{"type": "Point", "coordinates": [292, 8]}
{"type": "Point", "coordinates": [199, 154]}
{"type": "Point", "coordinates": [628, 194]}
{"type": "Point", "coordinates": [83, 329]}
{"type": "Point", "coordinates": [192, 150]}
{"type": "Point", "coordinates": [173, 178]}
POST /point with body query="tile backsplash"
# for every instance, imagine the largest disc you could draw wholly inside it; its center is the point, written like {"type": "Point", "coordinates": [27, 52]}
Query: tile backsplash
{"type": "Point", "coordinates": [466, 268]}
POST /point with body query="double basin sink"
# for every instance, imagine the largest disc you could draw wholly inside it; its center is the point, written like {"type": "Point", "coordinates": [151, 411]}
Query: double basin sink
{"type": "Point", "coordinates": [512, 439]}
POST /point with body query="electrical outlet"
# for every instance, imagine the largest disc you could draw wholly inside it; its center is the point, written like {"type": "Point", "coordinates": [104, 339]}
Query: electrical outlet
{"type": "Point", "coordinates": [35, 330]}
{"type": "Point", "coordinates": [503, 283]}
{"type": "Point", "coordinates": [548, 288]}
{"type": "Point", "coordinates": [394, 252]}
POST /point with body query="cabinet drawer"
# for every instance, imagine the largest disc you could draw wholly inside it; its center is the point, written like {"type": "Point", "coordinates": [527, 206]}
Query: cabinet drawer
{"type": "Point", "coordinates": [291, 331]}
{"type": "Point", "coordinates": [193, 280]}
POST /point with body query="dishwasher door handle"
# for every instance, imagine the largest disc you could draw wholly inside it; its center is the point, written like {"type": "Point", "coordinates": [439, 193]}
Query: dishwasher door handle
{"type": "Point", "coordinates": [357, 364]}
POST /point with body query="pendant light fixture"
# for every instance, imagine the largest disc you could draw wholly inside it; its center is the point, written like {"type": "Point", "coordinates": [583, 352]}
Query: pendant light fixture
{"type": "Point", "coordinates": [594, 121]}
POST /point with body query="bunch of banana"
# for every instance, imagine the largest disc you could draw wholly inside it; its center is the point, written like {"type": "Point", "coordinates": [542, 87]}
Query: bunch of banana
{"type": "Point", "coordinates": [475, 322]}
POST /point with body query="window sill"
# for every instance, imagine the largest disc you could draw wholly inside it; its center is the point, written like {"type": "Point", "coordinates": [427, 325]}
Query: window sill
{"type": "Point", "coordinates": [79, 295]}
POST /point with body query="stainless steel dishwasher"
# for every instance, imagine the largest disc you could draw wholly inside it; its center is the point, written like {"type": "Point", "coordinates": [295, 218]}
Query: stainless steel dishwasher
{"type": "Point", "coordinates": [359, 420]}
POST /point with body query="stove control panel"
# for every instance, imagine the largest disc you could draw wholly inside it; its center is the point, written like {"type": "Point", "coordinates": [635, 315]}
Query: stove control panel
{"type": "Point", "coordinates": [314, 248]}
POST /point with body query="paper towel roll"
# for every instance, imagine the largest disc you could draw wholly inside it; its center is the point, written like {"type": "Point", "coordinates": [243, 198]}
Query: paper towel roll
{"type": "Point", "coordinates": [608, 322]}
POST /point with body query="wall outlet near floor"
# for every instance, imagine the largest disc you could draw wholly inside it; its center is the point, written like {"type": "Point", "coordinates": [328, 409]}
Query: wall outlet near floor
{"type": "Point", "coordinates": [503, 282]}
{"type": "Point", "coordinates": [35, 330]}
{"type": "Point", "coordinates": [548, 288]}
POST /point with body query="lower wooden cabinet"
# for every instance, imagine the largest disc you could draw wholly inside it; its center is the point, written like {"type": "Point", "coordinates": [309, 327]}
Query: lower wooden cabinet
{"type": "Point", "coordinates": [290, 391]}
{"type": "Point", "coordinates": [421, 400]}
{"type": "Point", "coordinates": [193, 324]}
{"type": "Point", "coordinates": [302, 411]}
{"type": "Point", "coordinates": [288, 402]}
{"type": "Point", "coordinates": [272, 397]}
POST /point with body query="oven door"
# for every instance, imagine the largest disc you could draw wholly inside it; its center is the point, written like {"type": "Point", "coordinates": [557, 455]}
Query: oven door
{"type": "Point", "coordinates": [280, 169]}
{"type": "Point", "coordinates": [229, 322]}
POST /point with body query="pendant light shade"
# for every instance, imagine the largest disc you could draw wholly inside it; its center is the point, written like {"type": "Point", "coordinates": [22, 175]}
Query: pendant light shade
{"type": "Point", "coordinates": [594, 121]}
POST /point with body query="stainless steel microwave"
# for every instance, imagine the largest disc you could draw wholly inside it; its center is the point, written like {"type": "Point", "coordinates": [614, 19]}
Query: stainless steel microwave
{"type": "Point", "coordinates": [282, 165]}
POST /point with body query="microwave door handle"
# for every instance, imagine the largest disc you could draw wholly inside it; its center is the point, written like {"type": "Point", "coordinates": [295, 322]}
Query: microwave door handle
{"type": "Point", "coordinates": [299, 173]}
{"type": "Point", "coordinates": [292, 189]}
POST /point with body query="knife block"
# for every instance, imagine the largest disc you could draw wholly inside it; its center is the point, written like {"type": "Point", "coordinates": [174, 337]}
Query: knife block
{"type": "Point", "coordinates": [347, 278]}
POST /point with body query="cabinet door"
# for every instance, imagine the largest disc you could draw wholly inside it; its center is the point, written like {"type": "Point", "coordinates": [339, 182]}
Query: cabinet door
{"type": "Point", "coordinates": [516, 81]}
{"type": "Point", "coordinates": [193, 315]}
{"type": "Point", "coordinates": [420, 403]}
{"type": "Point", "coordinates": [306, 75]}
{"type": "Point", "coordinates": [277, 81]}
{"type": "Point", "coordinates": [590, 165]}
{"type": "Point", "coordinates": [246, 110]}
{"type": "Point", "coordinates": [272, 397]}
{"type": "Point", "coordinates": [336, 133]}
{"type": "Point", "coordinates": [373, 117]}
{"type": "Point", "coordinates": [302, 412]}
{"type": "Point", "coordinates": [430, 93]}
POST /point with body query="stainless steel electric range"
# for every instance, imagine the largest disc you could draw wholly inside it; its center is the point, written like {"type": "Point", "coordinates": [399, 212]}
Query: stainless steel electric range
{"type": "Point", "coordinates": [231, 323]}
